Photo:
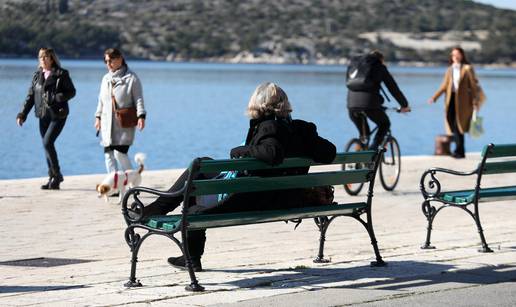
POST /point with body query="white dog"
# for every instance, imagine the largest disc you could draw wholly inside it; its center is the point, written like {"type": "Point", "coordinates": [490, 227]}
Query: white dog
{"type": "Point", "coordinates": [119, 181]}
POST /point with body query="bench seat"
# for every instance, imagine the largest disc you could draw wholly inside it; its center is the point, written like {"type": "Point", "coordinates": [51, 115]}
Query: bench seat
{"type": "Point", "coordinates": [203, 221]}
{"type": "Point", "coordinates": [486, 194]}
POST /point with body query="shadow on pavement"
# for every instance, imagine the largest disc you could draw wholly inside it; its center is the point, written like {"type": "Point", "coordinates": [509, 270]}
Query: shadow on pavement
{"type": "Point", "coordinates": [19, 289]}
{"type": "Point", "coordinates": [397, 275]}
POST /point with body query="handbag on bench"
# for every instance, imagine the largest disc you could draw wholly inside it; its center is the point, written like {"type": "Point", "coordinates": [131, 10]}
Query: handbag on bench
{"type": "Point", "coordinates": [322, 195]}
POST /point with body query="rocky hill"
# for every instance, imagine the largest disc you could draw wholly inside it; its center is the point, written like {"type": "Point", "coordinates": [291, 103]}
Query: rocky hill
{"type": "Point", "coordinates": [274, 31]}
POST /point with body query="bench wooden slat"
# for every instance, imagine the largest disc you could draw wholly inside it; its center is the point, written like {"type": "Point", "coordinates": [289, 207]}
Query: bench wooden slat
{"type": "Point", "coordinates": [253, 184]}
{"type": "Point", "coordinates": [486, 194]}
{"type": "Point", "coordinates": [203, 221]}
{"type": "Point", "coordinates": [498, 151]}
{"type": "Point", "coordinates": [216, 166]}
{"type": "Point", "coordinates": [499, 167]}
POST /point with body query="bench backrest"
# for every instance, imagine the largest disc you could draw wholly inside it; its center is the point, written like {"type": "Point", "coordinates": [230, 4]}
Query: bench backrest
{"type": "Point", "coordinates": [491, 151]}
{"type": "Point", "coordinates": [252, 184]}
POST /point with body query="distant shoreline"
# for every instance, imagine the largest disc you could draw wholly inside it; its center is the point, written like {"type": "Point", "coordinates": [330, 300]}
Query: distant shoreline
{"type": "Point", "coordinates": [276, 61]}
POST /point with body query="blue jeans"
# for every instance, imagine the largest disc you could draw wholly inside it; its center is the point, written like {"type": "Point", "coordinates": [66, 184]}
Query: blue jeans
{"type": "Point", "coordinates": [50, 130]}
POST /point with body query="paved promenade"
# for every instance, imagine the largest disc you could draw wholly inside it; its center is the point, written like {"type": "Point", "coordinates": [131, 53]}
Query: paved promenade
{"type": "Point", "coordinates": [258, 265]}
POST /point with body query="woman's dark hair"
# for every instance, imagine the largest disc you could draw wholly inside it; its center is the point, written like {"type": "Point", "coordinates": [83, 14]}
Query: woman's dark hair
{"type": "Point", "coordinates": [462, 53]}
{"type": "Point", "coordinates": [52, 54]}
{"type": "Point", "coordinates": [115, 53]}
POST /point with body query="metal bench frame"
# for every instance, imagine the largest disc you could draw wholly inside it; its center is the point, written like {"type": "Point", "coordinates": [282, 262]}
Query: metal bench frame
{"type": "Point", "coordinates": [134, 219]}
{"type": "Point", "coordinates": [431, 189]}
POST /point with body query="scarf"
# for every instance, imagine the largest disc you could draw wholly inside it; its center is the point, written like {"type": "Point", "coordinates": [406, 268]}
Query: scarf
{"type": "Point", "coordinates": [115, 77]}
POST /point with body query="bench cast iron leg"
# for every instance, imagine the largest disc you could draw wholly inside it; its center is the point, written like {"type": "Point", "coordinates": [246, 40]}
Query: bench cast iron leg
{"type": "Point", "coordinates": [194, 284]}
{"type": "Point", "coordinates": [485, 248]}
{"type": "Point", "coordinates": [379, 261]}
{"type": "Point", "coordinates": [369, 227]}
{"type": "Point", "coordinates": [322, 223]}
{"type": "Point", "coordinates": [430, 212]}
{"type": "Point", "coordinates": [134, 241]}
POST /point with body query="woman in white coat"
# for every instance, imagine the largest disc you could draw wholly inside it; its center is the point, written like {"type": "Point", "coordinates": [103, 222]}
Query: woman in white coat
{"type": "Point", "coordinates": [123, 84]}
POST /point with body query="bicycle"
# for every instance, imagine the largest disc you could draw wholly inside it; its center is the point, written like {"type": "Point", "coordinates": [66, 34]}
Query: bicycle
{"type": "Point", "coordinates": [390, 166]}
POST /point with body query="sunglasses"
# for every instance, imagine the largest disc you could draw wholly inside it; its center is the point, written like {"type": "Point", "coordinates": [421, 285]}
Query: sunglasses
{"type": "Point", "coordinates": [111, 60]}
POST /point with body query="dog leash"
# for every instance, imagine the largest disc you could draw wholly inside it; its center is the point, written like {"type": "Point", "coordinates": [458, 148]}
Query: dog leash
{"type": "Point", "coordinates": [116, 180]}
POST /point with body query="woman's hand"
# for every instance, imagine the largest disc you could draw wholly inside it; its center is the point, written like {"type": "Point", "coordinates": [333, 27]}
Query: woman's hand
{"type": "Point", "coordinates": [97, 123]}
{"type": "Point", "coordinates": [19, 121]}
{"type": "Point", "coordinates": [430, 100]}
{"type": "Point", "coordinates": [239, 152]}
{"type": "Point", "coordinates": [141, 123]}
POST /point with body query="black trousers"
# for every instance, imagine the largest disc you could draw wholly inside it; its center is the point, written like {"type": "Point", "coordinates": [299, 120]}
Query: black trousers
{"type": "Point", "coordinates": [163, 205]}
{"type": "Point", "coordinates": [239, 202]}
{"type": "Point", "coordinates": [50, 130]}
{"type": "Point", "coordinates": [452, 122]}
{"type": "Point", "coordinates": [378, 116]}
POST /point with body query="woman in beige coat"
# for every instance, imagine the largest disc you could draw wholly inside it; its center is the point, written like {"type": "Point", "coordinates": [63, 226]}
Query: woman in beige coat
{"type": "Point", "coordinates": [463, 95]}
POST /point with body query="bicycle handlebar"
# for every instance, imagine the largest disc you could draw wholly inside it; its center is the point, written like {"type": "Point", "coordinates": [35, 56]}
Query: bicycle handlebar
{"type": "Point", "coordinates": [396, 109]}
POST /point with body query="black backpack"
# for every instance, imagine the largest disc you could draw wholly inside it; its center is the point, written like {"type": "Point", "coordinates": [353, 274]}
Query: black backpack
{"type": "Point", "coordinates": [359, 75]}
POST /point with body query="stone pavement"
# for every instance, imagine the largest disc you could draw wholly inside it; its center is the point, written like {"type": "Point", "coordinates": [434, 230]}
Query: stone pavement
{"type": "Point", "coordinates": [267, 264]}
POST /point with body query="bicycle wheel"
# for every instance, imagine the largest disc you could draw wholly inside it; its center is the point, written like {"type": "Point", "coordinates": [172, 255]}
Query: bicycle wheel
{"type": "Point", "coordinates": [352, 146]}
{"type": "Point", "coordinates": [390, 168]}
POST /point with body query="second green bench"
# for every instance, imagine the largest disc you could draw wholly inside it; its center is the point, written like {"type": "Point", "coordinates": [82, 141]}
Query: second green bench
{"type": "Point", "coordinates": [495, 159]}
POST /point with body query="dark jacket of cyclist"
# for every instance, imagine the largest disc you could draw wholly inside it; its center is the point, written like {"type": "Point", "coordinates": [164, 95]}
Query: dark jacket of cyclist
{"type": "Point", "coordinates": [370, 101]}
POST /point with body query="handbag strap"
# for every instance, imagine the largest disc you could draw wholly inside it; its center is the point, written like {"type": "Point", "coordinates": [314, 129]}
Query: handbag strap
{"type": "Point", "coordinates": [113, 100]}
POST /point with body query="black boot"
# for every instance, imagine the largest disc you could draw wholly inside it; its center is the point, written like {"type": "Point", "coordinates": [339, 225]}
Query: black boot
{"type": "Point", "coordinates": [46, 186]}
{"type": "Point", "coordinates": [55, 181]}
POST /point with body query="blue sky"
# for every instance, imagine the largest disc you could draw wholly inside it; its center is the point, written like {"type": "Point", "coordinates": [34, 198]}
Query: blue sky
{"type": "Point", "coordinates": [507, 4]}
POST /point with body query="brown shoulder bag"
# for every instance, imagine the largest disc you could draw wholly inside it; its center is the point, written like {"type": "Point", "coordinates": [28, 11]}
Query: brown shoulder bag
{"type": "Point", "coordinates": [126, 117]}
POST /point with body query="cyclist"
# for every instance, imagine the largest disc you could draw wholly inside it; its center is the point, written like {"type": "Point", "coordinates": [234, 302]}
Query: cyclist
{"type": "Point", "coordinates": [363, 79]}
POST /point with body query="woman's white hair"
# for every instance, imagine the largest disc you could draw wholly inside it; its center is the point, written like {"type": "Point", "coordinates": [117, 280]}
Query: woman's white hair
{"type": "Point", "coordinates": [268, 99]}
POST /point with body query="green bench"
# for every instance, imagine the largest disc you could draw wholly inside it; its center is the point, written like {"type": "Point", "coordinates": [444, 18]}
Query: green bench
{"type": "Point", "coordinates": [139, 229]}
{"type": "Point", "coordinates": [495, 159]}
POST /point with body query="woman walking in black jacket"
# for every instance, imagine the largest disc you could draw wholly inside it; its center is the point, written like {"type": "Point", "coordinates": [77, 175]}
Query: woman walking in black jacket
{"type": "Point", "coordinates": [49, 92]}
{"type": "Point", "coordinates": [272, 137]}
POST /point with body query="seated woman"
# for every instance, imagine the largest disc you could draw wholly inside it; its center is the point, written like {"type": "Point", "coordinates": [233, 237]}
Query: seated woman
{"type": "Point", "coordinates": [272, 136]}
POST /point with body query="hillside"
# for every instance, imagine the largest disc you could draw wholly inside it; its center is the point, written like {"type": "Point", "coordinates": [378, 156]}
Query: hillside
{"type": "Point", "coordinates": [281, 31]}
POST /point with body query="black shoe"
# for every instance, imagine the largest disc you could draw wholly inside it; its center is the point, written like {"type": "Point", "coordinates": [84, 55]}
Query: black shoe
{"type": "Point", "coordinates": [55, 182]}
{"type": "Point", "coordinates": [179, 262]}
{"type": "Point", "coordinates": [114, 195]}
{"type": "Point", "coordinates": [458, 155]}
{"type": "Point", "coordinates": [46, 186]}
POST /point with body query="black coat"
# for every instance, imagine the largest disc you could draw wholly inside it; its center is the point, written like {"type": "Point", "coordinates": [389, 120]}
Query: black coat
{"type": "Point", "coordinates": [372, 99]}
{"type": "Point", "coordinates": [49, 96]}
{"type": "Point", "coordinates": [273, 140]}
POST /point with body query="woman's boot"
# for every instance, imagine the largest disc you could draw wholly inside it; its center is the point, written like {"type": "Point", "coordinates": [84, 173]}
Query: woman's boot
{"type": "Point", "coordinates": [56, 181]}
{"type": "Point", "coordinates": [46, 186]}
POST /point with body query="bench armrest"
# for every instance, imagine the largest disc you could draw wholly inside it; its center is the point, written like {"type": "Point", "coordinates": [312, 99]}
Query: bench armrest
{"type": "Point", "coordinates": [430, 185]}
{"type": "Point", "coordinates": [134, 213]}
